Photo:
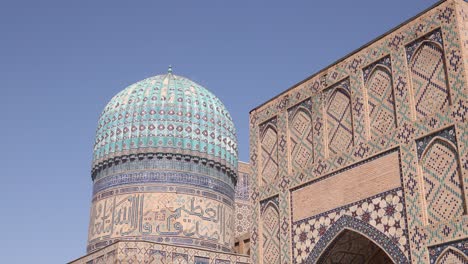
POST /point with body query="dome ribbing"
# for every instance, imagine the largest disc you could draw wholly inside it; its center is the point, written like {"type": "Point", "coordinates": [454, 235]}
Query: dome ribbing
{"type": "Point", "coordinates": [166, 114]}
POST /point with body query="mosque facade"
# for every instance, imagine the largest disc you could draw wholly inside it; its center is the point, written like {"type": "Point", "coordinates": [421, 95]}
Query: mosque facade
{"type": "Point", "coordinates": [365, 161]}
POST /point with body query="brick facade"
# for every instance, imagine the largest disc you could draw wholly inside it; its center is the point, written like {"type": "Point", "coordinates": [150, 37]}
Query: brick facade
{"type": "Point", "coordinates": [375, 143]}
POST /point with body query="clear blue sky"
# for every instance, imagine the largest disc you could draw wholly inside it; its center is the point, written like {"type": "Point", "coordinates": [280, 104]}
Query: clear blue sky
{"type": "Point", "coordinates": [62, 61]}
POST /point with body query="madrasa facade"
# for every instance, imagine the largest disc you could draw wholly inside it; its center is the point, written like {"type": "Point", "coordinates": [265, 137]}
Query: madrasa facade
{"type": "Point", "coordinates": [365, 161]}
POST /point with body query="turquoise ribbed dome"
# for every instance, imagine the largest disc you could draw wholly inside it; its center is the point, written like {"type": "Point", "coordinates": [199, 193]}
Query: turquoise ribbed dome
{"type": "Point", "coordinates": [166, 114]}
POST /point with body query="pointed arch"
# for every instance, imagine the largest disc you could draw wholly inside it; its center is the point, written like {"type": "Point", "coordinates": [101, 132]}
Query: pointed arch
{"type": "Point", "coordinates": [271, 234]}
{"type": "Point", "coordinates": [429, 79]}
{"type": "Point", "coordinates": [339, 121]}
{"type": "Point", "coordinates": [267, 127]}
{"type": "Point", "coordinates": [452, 255]}
{"type": "Point", "coordinates": [269, 153]}
{"type": "Point", "coordinates": [350, 247]}
{"type": "Point", "coordinates": [301, 139]}
{"type": "Point", "coordinates": [441, 179]}
{"type": "Point", "coordinates": [380, 101]}
{"type": "Point", "coordinates": [350, 223]}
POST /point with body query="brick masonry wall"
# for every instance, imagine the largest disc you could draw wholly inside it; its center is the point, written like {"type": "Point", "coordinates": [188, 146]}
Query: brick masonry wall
{"type": "Point", "coordinates": [156, 253]}
{"type": "Point", "coordinates": [404, 94]}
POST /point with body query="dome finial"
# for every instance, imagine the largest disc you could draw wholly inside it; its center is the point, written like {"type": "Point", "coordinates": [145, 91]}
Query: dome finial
{"type": "Point", "coordinates": [169, 70]}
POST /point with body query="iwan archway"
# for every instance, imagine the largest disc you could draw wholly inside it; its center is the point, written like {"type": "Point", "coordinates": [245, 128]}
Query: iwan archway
{"type": "Point", "coordinates": [353, 248]}
{"type": "Point", "coordinates": [351, 241]}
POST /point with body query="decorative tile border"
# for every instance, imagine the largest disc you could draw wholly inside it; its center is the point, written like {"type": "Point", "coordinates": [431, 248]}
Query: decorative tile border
{"type": "Point", "coordinates": [436, 251]}
{"type": "Point", "coordinates": [165, 178]}
{"type": "Point", "coordinates": [383, 212]}
{"type": "Point", "coordinates": [348, 222]}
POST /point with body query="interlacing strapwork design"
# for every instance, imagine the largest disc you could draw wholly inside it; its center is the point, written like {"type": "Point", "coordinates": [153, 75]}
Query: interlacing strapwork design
{"type": "Point", "coordinates": [429, 77]}
{"type": "Point", "coordinates": [339, 119]}
{"type": "Point", "coordinates": [271, 233]}
{"type": "Point", "coordinates": [300, 135]}
{"type": "Point", "coordinates": [381, 103]}
{"type": "Point", "coordinates": [442, 186]}
{"type": "Point", "coordinates": [269, 149]}
{"type": "Point", "coordinates": [452, 256]}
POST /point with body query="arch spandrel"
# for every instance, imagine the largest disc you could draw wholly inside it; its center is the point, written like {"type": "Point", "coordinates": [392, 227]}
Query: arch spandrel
{"type": "Point", "coordinates": [348, 223]}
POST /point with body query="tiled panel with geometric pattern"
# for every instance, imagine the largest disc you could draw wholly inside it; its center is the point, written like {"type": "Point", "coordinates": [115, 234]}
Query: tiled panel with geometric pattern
{"type": "Point", "coordinates": [243, 206]}
{"type": "Point", "coordinates": [339, 118]}
{"type": "Point", "coordinates": [301, 136]}
{"type": "Point", "coordinates": [425, 62]}
{"type": "Point", "coordinates": [380, 98]}
{"type": "Point", "coordinates": [443, 193]}
{"type": "Point", "coordinates": [271, 231]}
{"type": "Point", "coordinates": [269, 151]}
{"type": "Point", "coordinates": [428, 74]}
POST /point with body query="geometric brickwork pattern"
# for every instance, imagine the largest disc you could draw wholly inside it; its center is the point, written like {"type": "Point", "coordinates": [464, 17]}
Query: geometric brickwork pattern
{"type": "Point", "coordinates": [139, 252]}
{"type": "Point", "coordinates": [385, 213]}
{"type": "Point", "coordinates": [452, 257]}
{"type": "Point", "coordinates": [243, 207]}
{"type": "Point", "coordinates": [242, 219]}
{"type": "Point", "coordinates": [300, 136]}
{"type": "Point", "coordinates": [381, 103]}
{"type": "Point", "coordinates": [242, 190]}
{"type": "Point", "coordinates": [443, 193]}
{"type": "Point", "coordinates": [269, 150]}
{"type": "Point", "coordinates": [452, 252]}
{"type": "Point", "coordinates": [339, 118]}
{"type": "Point", "coordinates": [428, 75]}
{"type": "Point", "coordinates": [271, 231]}
{"type": "Point", "coordinates": [179, 258]}
{"type": "Point", "coordinates": [353, 248]}
{"type": "Point", "coordinates": [407, 46]}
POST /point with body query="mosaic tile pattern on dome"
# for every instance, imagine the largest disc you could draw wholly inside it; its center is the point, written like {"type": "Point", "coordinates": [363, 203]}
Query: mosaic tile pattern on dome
{"type": "Point", "coordinates": [166, 114]}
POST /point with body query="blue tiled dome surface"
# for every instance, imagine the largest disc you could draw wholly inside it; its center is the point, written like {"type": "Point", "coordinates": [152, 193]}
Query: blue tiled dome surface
{"type": "Point", "coordinates": [167, 114]}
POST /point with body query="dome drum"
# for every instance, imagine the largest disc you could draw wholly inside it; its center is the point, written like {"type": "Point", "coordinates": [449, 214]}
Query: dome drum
{"type": "Point", "coordinates": [196, 160]}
